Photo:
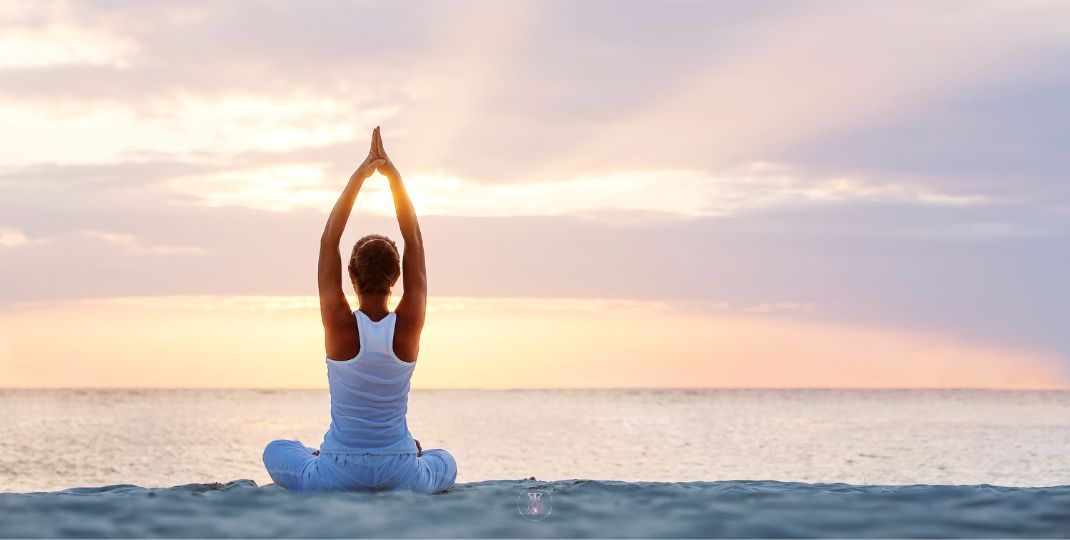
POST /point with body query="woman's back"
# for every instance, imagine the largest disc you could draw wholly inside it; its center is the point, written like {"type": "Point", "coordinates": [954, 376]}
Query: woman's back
{"type": "Point", "coordinates": [369, 395]}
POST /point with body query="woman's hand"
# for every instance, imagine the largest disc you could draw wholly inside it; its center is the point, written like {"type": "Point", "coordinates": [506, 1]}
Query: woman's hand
{"type": "Point", "coordinates": [374, 161]}
{"type": "Point", "coordinates": [387, 168]}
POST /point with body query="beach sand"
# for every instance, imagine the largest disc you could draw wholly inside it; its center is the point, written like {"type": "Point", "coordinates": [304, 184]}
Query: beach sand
{"type": "Point", "coordinates": [565, 508]}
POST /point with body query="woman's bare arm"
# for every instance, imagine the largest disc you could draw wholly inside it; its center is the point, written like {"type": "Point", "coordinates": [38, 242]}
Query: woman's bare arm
{"type": "Point", "coordinates": [337, 318]}
{"type": "Point", "coordinates": [412, 308]}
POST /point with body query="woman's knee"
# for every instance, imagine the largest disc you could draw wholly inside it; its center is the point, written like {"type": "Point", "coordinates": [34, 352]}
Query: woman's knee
{"type": "Point", "coordinates": [447, 473]}
{"type": "Point", "coordinates": [451, 466]}
{"type": "Point", "coordinates": [285, 462]}
{"type": "Point", "coordinates": [276, 449]}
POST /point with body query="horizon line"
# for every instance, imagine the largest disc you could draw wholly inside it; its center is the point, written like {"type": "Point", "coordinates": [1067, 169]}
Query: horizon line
{"type": "Point", "coordinates": [516, 389]}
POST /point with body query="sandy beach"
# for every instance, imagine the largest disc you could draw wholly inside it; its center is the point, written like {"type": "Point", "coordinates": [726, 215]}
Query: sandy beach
{"type": "Point", "coordinates": [572, 509]}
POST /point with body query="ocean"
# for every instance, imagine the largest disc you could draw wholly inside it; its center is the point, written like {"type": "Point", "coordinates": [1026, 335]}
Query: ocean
{"type": "Point", "coordinates": [619, 463]}
{"type": "Point", "coordinates": [58, 439]}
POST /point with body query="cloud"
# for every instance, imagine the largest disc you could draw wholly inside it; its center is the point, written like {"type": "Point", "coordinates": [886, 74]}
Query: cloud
{"type": "Point", "coordinates": [781, 307]}
{"type": "Point", "coordinates": [679, 192]}
{"type": "Point", "coordinates": [536, 91]}
{"type": "Point", "coordinates": [131, 243]}
{"type": "Point", "coordinates": [44, 34]}
{"type": "Point", "coordinates": [275, 188]}
{"type": "Point", "coordinates": [918, 266]}
{"type": "Point", "coordinates": [744, 88]}
{"type": "Point", "coordinates": [194, 127]}
{"type": "Point", "coordinates": [63, 45]}
{"type": "Point", "coordinates": [11, 237]}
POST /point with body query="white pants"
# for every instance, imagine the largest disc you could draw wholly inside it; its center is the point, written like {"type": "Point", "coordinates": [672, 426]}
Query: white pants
{"type": "Point", "coordinates": [293, 465]}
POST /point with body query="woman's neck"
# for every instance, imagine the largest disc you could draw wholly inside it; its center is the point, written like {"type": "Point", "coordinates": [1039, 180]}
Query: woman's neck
{"type": "Point", "coordinates": [374, 305]}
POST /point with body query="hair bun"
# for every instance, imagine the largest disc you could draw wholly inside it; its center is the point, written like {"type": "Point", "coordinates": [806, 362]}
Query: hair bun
{"type": "Point", "coordinates": [374, 263]}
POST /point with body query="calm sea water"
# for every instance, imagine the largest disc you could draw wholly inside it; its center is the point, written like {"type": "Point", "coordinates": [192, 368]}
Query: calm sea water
{"type": "Point", "coordinates": [57, 439]}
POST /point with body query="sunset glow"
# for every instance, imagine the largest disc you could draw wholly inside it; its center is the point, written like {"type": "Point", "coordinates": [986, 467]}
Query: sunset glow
{"type": "Point", "coordinates": [268, 342]}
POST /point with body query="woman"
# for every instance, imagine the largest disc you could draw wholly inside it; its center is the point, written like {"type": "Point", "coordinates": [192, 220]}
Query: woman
{"type": "Point", "coordinates": [371, 354]}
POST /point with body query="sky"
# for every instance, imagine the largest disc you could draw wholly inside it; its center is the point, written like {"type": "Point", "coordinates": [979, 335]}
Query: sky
{"type": "Point", "coordinates": [612, 194]}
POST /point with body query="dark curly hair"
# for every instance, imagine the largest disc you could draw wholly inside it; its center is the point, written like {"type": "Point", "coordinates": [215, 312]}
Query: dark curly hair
{"type": "Point", "coordinates": [374, 263]}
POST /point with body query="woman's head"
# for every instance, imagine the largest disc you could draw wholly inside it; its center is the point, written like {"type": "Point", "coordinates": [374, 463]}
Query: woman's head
{"type": "Point", "coordinates": [375, 264]}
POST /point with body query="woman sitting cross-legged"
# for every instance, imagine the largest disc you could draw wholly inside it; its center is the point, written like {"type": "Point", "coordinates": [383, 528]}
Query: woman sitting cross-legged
{"type": "Point", "coordinates": [371, 354]}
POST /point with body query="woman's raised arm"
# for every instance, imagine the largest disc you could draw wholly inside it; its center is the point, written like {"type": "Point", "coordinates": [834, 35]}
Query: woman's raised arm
{"type": "Point", "coordinates": [413, 303]}
{"type": "Point", "coordinates": [334, 308]}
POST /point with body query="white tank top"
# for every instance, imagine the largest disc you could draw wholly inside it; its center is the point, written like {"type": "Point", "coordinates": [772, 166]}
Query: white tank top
{"type": "Point", "coordinates": [370, 395]}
